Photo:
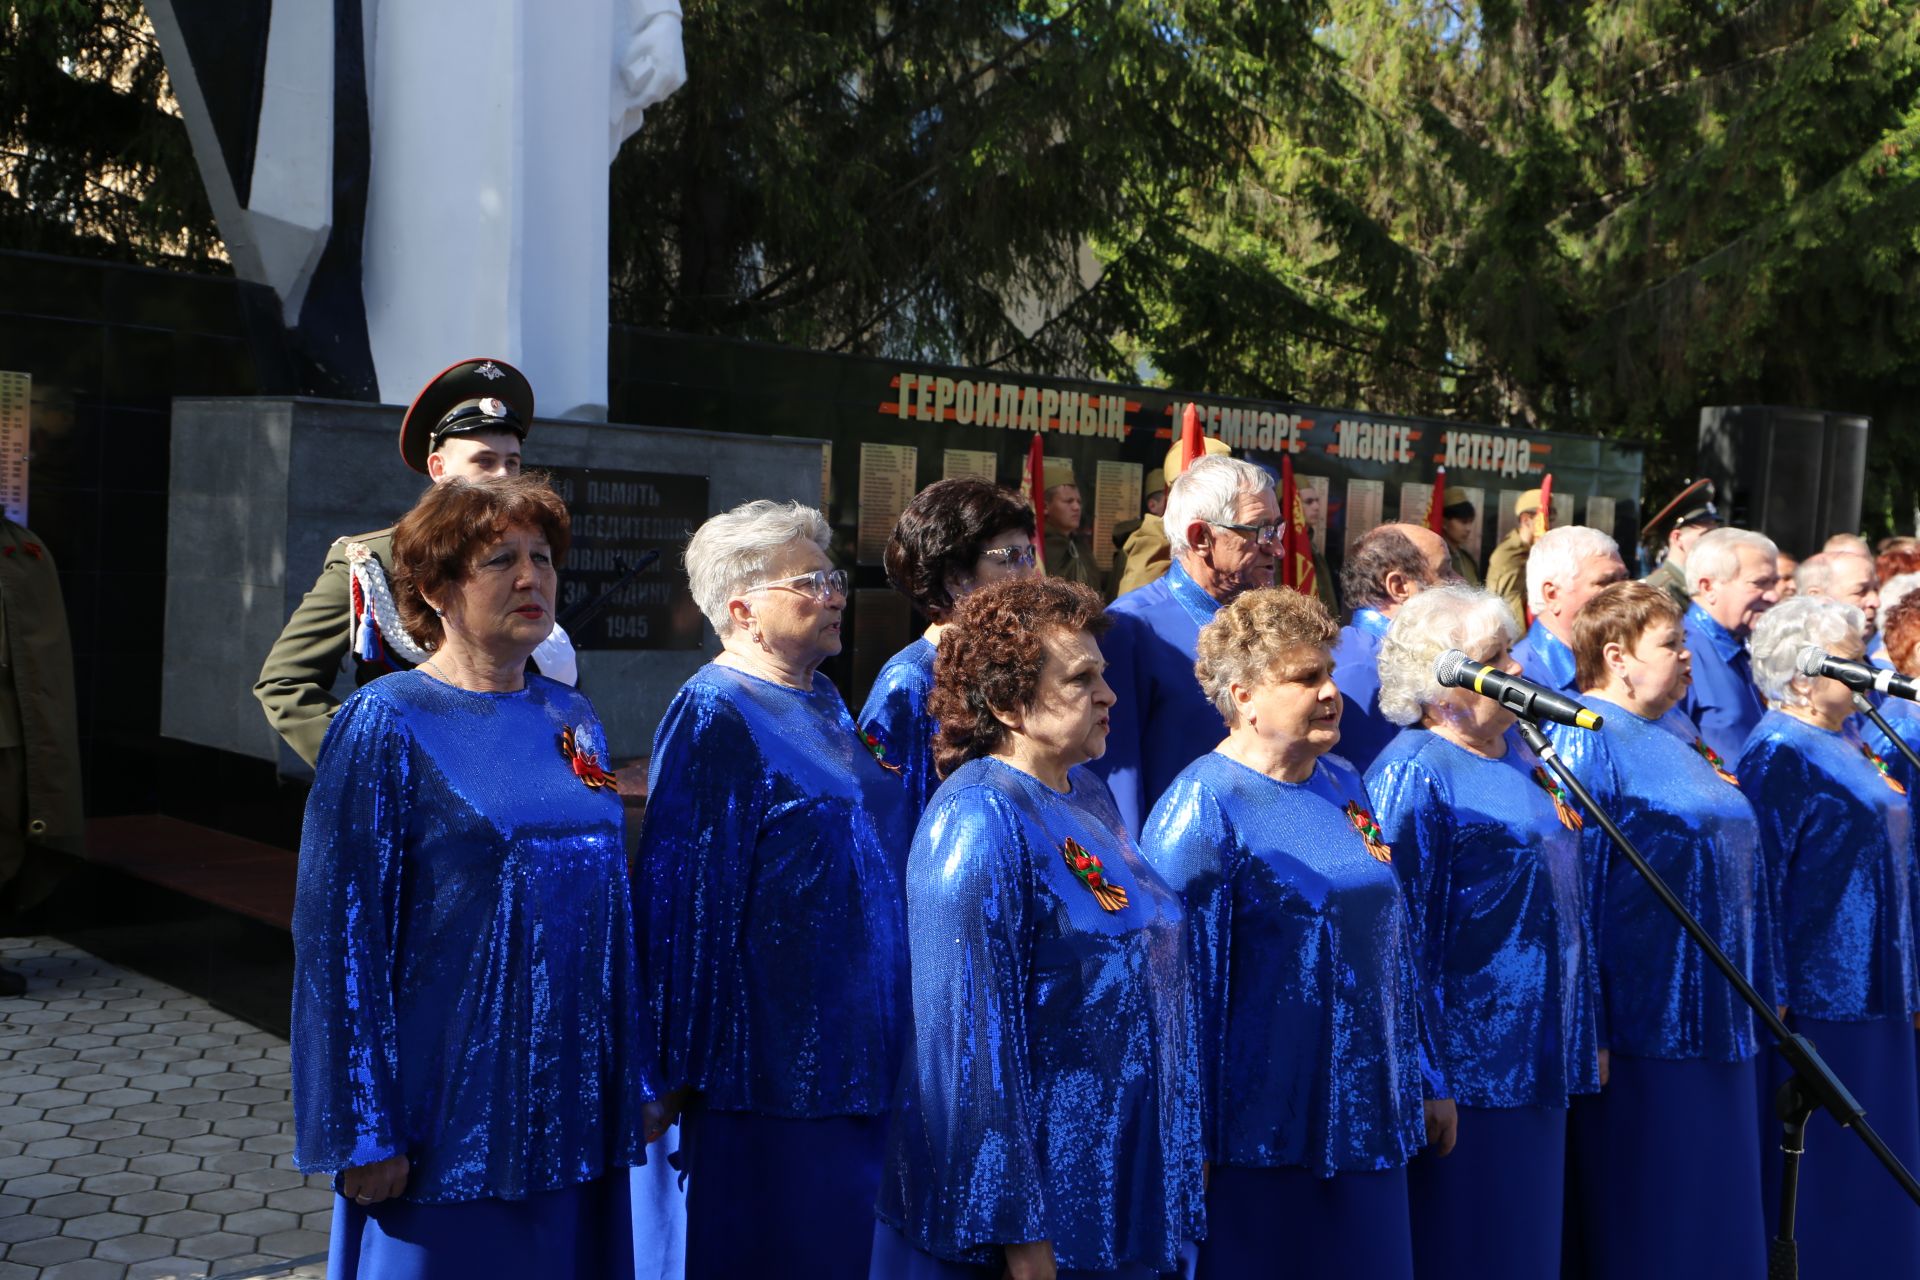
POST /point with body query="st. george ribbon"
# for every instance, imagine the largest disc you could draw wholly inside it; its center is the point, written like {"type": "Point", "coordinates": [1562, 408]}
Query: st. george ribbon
{"type": "Point", "coordinates": [1455, 670]}
{"type": "Point", "coordinates": [1857, 676]}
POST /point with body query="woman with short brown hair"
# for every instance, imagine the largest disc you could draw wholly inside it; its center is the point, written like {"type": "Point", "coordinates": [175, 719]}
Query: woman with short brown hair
{"type": "Point", "coordinates": [467, 1047]}
{"type": "Point", "coordinates": [1665, 1159]}
{"type": "Point", "coordinates": [1047, 1119]}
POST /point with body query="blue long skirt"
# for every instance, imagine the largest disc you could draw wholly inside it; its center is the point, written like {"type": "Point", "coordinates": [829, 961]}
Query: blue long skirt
{"type": "Point", "coordinates": [773, 1197]}
{"type": "Point", "coordinates": [1491, 1210]}
{"type": "Point", "coordinates": [1853, 1219]}
{"type": "Point", "coordinates": [894, 1258]}
{"type": "Point", "coordinates": [584, 1232]}
{"type": "Point", "coordinates": [1664, 1173]}
{"type": "Point", "coordinates": [1289, 1221]}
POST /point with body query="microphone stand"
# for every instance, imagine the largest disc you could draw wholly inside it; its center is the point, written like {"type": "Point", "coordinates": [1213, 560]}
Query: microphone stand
{"type": "Point", "coordinates": [1880, 723]}
{"type": "Point", "coordinates": [1813, 1084]}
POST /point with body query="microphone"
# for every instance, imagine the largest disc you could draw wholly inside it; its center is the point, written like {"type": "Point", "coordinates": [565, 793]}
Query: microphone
{"type": "Point", "coordinates": [1455, 670]}
{"type": "Point", "coordinates": [1860, 677]}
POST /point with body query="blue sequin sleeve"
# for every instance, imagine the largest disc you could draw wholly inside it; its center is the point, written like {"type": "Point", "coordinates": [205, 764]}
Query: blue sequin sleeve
{"type": "Point", "coordinates": [706, 788]}
{"type": "Point", "coordinates": [895, 717]}
{"type": "Point", "coordinates": [1589, 758]}
{"type": "Point", "coordinates": [348, 1105]}
{"type": "Point", "coordinates": [1411, 814]}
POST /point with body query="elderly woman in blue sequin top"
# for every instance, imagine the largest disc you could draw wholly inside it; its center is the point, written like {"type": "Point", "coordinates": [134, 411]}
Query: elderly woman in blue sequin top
{"type": "Point", "coordinates": [1835, 825]}
{"type": "Point", "coordinates": [954, 536]}
{"type": "Point", "coordinates": [776, 953]}
{"type": "Point", "coordinates": [467, 1026]}
{"type": "Point", "coordinates": [1048, 1119]}
{"type": "Point", "coordinates": [1488, 851]}
{"type": "Point", "coordinates": [1314, 1086]}
{"type": "Point", "coordinates": [1666, 1158]}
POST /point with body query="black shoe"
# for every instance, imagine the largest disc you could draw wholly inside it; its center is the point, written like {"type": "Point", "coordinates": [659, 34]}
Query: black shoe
{"type": "Point", "coordinates": [12, 984]}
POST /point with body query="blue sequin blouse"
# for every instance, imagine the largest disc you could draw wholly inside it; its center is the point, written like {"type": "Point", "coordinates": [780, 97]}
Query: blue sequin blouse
{"type": "Point", "coordinates": [1546, 660]}
{"type": "Point", "coordinates": [1662, 997]}
{"type": "Point", "coordinates": [1051, 1093]}
{"type": "Point", "coordinates": [1493, 884]}
{"type": "Point", "coordinates": [776, 951]}
{"type": "Point", "coordinates": [1839, 851]}
{"type": "Point", "coordinates": [1307, 997]}
{"type": "Point", "coordinates": [465, 979]}
{"type": "Point", "coordinates": [895, 716]}
{"type": "Point", "coordinates": [1364, 732]}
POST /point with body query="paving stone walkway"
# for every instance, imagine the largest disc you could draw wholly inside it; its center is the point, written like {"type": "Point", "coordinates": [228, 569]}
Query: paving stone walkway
{"type": "Point", "coordinates": [144, 1135]}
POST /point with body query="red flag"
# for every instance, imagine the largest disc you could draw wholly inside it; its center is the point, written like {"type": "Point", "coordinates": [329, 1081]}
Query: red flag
{"type": "Point", "coordinates": [1193, 443]}
{"type": "Point", "coordinates": [1296, 536]}
{"type": "Point", "coordinates": [1546, 502]}
{"type": "Point", "coordinates": [1037, 487]}
{"type": "Point", "coordinates": [1436, 506]}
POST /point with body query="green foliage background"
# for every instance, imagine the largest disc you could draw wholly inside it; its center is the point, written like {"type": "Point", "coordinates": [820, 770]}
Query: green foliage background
{"type": "Point", "coordinates": [1590, 216]}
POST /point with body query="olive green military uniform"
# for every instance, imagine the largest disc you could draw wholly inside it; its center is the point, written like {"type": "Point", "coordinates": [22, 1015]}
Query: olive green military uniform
{"type": "Point", "coordinates": [1464, 566]}
{"type": "Point", "coordinates": [296, 681]}
{"type": "Point", "coordinates": [1147, 554]}
{"type": "Point", "coordinates": [1507, 573]}
{"type": "Point", "coordinates": [39, 725]}
{"type": "Point", "coordinates": [1671, 579]}
{"type": "Point", "coordinates": [1323, 585]}
{"type": "Point", "coordinates": [1068, 557]}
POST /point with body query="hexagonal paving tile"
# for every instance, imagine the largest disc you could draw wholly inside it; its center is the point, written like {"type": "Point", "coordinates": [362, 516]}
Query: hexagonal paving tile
{"type": "Point", "coordinates": [22, 1166]}
{"type": "Point", "coordinates": [72, 1204]}
{"type": "Point", "coordinates": [294, 1244]}
{"type": "Point", "coordinates": [163, 1163]}
{"type": "Point", "coordinates": [123, 1183]}
{"type": "Point", "coordinates": [217, 1245]}
{"type": "Point", "coordinates": [274, 1179]}
{"type": "Point", "coordinates": [59, 1148]}
{"type": "Point", "coordinates": [148, 1204]}
{"type": "Point", "coordinates": [183, 1224]}
{"type": "Point", "coordinates": [133, 1248]}
{"type": "Point", "coordinates": [38, 1185]}
{"type": "Point", "coordinates": [194, 1181]}
{"type": "Point", "coordinates": [228, 1200]}
{"type": "Point", "coordinates": [102, 1226]}
{"type": "Point", "coordinates": [86, 1166]}
{"type": "Point", "coordinates": [303, 1199]}
{"type": "Point", "coordinates": [85, 1269]}
{"type": "Point", "coordinates": [26, 1226]}
{"type": "Point", "coordinates": [48, 1251]}
{"type": "Point", "coordinates": [261, 1222]}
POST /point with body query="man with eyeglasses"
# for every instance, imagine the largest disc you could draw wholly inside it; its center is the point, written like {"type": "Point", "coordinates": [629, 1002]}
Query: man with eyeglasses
{"type": "Point", "coordinates": [1733, 577]}
{"type": "Point", "coordinates": [1223, 523]}
{"type": "Point", "coordinates": [467, 423]}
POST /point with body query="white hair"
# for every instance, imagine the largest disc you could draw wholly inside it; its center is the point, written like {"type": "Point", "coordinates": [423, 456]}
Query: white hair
{"type": "Point", "coordinates": [1209, 492]}
{"type": "Point", "coordinates": [737, 549]}
{"type": "Point", "coordinates": [1436, 620]}
{"type": "Point", "coordinates": [1896, 589]}
{"type": "Point", "coordinates": [1717, 555]}
{"type": "Point", "coordinates": [1789, 627]}
{"type": "Point", "coordinates": [1814, 577]}
{"type": "Point", "coordinates": [1557, 556]}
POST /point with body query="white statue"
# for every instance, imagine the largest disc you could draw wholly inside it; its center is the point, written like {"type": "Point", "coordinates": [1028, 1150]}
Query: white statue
{"type": "Point", "coordinates": [492, 125]}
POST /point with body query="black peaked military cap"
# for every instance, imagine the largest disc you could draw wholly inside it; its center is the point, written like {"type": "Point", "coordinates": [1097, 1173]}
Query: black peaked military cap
{"type": "Point", "coordinates": [480, 394]}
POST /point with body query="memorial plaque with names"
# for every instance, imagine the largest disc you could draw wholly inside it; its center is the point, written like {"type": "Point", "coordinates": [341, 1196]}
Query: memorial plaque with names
{"type": "Point", "coordinates": [887, 484]}
{"type": "Point", "coordinates": [1366, 500]}
{"type": "Point", "coordinates": [1415, 495]}
{"type": "Point", "coordinates": [16, 420]}
{"type": "Point", "coordinates": [969, 464]}
{"type": "Point", "coordinates": [1116, 499]}
{"type": "Point", "coordinates": [1600, 513]}
{"type": "Point", "coordinates": [617, 517]}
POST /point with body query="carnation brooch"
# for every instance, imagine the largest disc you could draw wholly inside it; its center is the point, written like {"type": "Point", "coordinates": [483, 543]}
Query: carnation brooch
{"type": "Point", "coordinates": [1899, 787]}
{"type": "Point", "coordinates": [576, 749]}
{"type": "Point", "coordinates": [1569, 816]}
{"type": "Point", "coordinates": [878, 750]}
{"type": "Point", "coordinates": [1712, 757]}
{"type": "Point", "coordinates": [1090, 871]}
{"type": "Point", "coordinates": [1369, 831]}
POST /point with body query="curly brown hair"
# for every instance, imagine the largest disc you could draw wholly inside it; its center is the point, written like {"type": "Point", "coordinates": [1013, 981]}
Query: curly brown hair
{"type": "Point", "coordinates": [991, 655]}
{"type": "Point", "coordinates": [1900, 628]}
{"type": "Point", "coordinates": [435, 543]}
{"type": "Point", "coordinates": [1246, 641]}
{"type": "Point", "coordinates": [941, 532]}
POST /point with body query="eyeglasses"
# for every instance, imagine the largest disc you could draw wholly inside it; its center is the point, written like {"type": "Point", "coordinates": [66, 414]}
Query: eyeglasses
{"type": "Point", "coordinates": [821, 584]}
{"type": "Point", "coordinates": [1265, 536]}
{"type": "Point", "coordinates": [1012, 557]}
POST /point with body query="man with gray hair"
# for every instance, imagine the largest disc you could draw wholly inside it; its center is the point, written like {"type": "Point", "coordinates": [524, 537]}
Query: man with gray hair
{"type": "Point", "coordinates": [1223, 524]}
{"type": "Point", "coordinates": [1847, 576]}
{"type": "Point", "coordinates": [1386, 568]}
{"type": "Point", "coordinates": [1734, 577]}
{"type": "Point", "coordinates": [1568, 567]}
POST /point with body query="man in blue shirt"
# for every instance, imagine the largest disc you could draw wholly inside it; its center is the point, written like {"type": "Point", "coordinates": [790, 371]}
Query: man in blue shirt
{"type": "Point", "coordinates": [1568, 567]}
{"type": "Point", "coordinates": [1734, 576]}
{"type": "Point", "coordinates": [1386, 568]}
{"type": "Point", "coordinates": [1223, 524]}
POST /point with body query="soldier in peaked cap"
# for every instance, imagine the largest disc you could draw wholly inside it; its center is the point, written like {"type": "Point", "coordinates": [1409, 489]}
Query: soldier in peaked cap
{"type": "Point", "coordinates": [466, 424]}
{"type": "Point", "coordinates": [1685, 520]}
{"type": "Point", "coordinates": [1507, 566]}
{"type": "Point", "coordinates": [1458, 528]}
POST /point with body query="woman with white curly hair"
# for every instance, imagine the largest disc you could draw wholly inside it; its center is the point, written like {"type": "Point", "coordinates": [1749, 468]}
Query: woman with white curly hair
{"type": "Point", "coordinates": [776, 957]}
{"type": "Point", "coordinates": [1836, 830]}
{"type": "Point", "coordinates": [1488, 850]}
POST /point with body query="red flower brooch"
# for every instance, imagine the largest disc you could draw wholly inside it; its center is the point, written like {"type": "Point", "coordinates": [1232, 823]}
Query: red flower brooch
{"type": "Point", "coordinates": [1899, 787]}
{"type": "Point", "coordinates": [878, 750]}
{"type": "Point", "coordinates": [1569, 816]}
{"type": "Point", "coordinates": [1712, 757]}
{"type": "Point", "coordinates": [1090, 871]}
{"type": "Point", "coordinates": [585, 762]}
{"type": "Point", "coordinates": [1369, 831]}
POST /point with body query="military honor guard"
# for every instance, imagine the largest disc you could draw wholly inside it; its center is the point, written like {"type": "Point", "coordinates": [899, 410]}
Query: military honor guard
{"type": "Point", "coordinates": [1686, 520]}
{"type": "Point", "coordinates": [1507, 566]}
{"type": "Point", "coordinates": [467, 423]}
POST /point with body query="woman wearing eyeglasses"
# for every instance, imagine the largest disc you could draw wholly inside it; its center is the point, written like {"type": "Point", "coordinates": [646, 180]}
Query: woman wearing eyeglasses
{"type": "Point", "coordinates": [776, 957]}
{"type": "Point", "coordinates": [955, 536]}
